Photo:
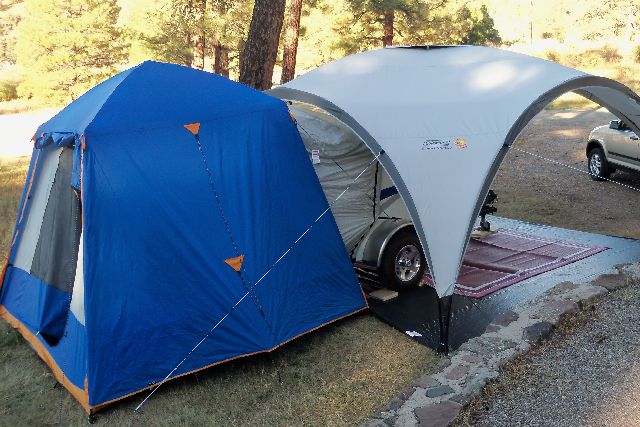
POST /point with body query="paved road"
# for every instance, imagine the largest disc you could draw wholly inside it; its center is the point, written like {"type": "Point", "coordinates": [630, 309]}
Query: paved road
{"type": "Point", "coordinates": [17, 130]}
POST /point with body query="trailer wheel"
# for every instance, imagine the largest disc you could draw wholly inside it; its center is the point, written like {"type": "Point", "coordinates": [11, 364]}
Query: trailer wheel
{"type": "Point", "coordinates": [403, 262]}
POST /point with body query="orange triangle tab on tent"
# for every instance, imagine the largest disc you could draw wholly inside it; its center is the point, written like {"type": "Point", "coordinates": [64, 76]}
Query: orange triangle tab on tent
{"type": "Point", "coordinates": [235, 263]}
{"type": "Point", "coordinates": [194, 128]}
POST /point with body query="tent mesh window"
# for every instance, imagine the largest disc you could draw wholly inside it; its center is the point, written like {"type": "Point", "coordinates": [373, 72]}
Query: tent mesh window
{"type": "Point", "coordinates": [56, 253]}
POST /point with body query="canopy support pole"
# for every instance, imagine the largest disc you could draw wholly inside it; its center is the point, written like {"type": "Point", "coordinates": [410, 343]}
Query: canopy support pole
{"type": "Point", "coordinates": [444, 317]}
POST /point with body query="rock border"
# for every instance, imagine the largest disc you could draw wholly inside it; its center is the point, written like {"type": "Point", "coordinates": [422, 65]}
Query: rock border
{"type": "Point", "coordinates": [436, 399]}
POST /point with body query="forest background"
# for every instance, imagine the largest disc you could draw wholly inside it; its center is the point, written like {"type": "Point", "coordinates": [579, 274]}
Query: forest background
{"type": "Point", "coordinates": [52, 51]}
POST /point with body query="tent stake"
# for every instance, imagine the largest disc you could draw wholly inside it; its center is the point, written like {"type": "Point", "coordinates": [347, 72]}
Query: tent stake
{"type": "Point", "coordinates": [444, 317]}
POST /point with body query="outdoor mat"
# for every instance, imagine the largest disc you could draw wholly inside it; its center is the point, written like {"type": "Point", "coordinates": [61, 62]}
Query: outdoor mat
{"type": "Point", "coordinates": [505, 257]}
{"type": "Point", "coordinates": [415, 311]}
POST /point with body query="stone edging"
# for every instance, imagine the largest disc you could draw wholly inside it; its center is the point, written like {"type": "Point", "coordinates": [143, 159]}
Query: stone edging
{"type": "Point", "coordinates": [436, 399]}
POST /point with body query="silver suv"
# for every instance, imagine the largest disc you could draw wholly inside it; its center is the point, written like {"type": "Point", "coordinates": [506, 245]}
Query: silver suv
{"type": "Point", "coordinates": [611, 147]}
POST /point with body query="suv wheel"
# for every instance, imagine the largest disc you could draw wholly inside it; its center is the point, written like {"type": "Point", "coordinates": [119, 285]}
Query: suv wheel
{"type": "Point", "coordinates": [598, 165]}
{"type": "Point", "coordinates": [403, 262]}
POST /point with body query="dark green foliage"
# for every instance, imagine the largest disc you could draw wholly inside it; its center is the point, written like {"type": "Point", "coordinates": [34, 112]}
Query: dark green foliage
{"type": "Point", "coordinates": [480, 28]}
{"type": "Point", "coordinates": [364, 27]}
{"type": "Point", "coordinates": [170, 32]}
{"type": "Point", "coordinates": [173, 39]}
{"type": "Point", "coordinates": [8, 89]}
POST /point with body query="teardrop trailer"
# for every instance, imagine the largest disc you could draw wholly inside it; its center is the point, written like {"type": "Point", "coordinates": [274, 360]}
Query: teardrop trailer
{"type": "Point", "coordinates": [372, 217]}
{"type": "Point", "coordinates": [373, 221]}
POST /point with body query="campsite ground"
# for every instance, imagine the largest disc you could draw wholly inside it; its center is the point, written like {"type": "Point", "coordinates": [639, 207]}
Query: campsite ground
{"type": "Point", "coordinates": [585, 375]}
{"type": "Point", "coordinates": [340, 374]}
{"type": "Point", "coordinates": [539, 191]}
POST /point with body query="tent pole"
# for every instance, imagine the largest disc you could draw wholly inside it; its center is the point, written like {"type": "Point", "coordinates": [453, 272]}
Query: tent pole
{"type": "Point", "coordinates": [444, 317]}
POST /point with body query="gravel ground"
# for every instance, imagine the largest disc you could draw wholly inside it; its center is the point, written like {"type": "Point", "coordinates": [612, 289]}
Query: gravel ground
{"type": "Point", "coordinates": [586, 374]}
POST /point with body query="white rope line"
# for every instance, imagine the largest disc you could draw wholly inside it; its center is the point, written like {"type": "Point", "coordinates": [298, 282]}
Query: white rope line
{"type": "Point", "coordinates": [318, 143]}
{"type": "Point", "coordinates": [574, 168]}
{"type": "Point", "coordinates": [258, 281]}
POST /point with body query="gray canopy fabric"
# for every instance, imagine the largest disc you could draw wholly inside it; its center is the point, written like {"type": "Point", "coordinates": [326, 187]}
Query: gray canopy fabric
{"type": "Point", "coordinates": [340, 157]}
{"type": "Point", "coordinates": [444, 118]}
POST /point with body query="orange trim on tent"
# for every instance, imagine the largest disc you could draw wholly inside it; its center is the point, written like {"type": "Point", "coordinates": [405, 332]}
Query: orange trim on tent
{"type": "Point", "coordinates": [81, 395]}
{"type": "Point", "coordinates": [194, 128]}
{"type": "Point", "coordinates": [104, 404]}
{"type": "Point", "coordinates": [235, 263]}
{"type": "Point", "coordinates": [366, 301]}
{"type": "Point", "coordinates": [293, 118]}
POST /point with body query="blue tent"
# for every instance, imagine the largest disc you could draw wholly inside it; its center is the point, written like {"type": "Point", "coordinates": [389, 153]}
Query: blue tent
{"type": "Point", "coordinates": [158, 205]}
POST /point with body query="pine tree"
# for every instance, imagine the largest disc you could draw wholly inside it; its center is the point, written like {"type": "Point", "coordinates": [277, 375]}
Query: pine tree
{"type": "Point", "coordinates": [67, 46]}
{"type": "Point", "coordinates": [290, 50]}
{"type": "Point", "coordinates": [477, 30]}
{"type": "Point", "coordinates": [196, 33]}
{"type": "Point", "coordinates": [173, 33]}
{"type": "Point", "coordinates": [11, 11]}
{"type": "Point", "coordinates": [261, 49]}
{"type": "Point", "coordinates": [376, 23]}
{"type": "Point", "coordinates": [200, 45]}
{"type": "Point", "coordinates": [229, 26]}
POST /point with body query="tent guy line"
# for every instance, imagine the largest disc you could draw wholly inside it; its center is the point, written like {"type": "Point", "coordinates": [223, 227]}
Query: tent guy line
{"type": "Point", "coordinates": [258, 281]}
{"type": "Point", "coordinates": [573, 168]}
{"type": "Point", "coordinates": [241, 270]}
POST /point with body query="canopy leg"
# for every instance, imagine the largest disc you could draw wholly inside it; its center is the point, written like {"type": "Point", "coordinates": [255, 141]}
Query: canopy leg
{"type": "Point", "coordinates": [444, 312]}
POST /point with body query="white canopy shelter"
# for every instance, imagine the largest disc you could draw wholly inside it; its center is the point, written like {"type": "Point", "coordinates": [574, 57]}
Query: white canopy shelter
{"type": "Point", "coordinates": [443, 118]}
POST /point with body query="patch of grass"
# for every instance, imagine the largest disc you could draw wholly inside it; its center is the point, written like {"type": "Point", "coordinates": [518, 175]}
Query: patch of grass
{"type": "Point", "coordinates": [8, 89]}
{"type": "Point", "coordinates": [572, 101]}
{"type": "Point", "coordinates": [539, 207]}
{"type": "Point", "coordinates": [338, 375]}
{"type": "Point", "coordinates": [12, 177]}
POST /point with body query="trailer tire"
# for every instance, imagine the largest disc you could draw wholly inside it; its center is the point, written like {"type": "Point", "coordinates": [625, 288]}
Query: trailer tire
{"type": "Point", "coordinates": [403, 261]}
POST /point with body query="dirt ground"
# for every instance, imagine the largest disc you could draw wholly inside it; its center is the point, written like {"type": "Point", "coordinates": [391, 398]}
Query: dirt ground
{"type": "Point", "coordinates": [539, 191]}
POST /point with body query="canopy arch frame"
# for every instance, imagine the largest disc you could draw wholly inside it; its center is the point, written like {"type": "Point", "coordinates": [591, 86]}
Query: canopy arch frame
{"type": "Point", "coordinates": [295, 95]}
{"type": "Point", "coordinates": [579, 85]}
{"type": "Point", "coordinates": [582, 85]}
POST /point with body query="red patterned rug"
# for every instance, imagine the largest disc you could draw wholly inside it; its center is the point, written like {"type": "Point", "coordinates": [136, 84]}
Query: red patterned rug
{"type": "Point", "coordinates": [506, 257]}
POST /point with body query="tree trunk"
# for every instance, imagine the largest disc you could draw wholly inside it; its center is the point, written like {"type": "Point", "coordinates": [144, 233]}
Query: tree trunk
{"type": "Point", "coordinates": [291, 41]}
{"type": "Point", "coordinates": [221, 60]}
{"type": "Point", "coordinates": [261, 49]}
{"type": "Point", "coordinates": [188, 56]}
{"type": "Point", "coordinates": [387, 38]}
{"type": "Point", "coordinates": [200, 44]}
